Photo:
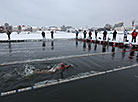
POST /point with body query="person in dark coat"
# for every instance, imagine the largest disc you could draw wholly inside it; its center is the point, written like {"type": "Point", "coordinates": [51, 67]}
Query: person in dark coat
{"type": "Point", "coordinates": [96, 34]}
{"type": "Point", "coordinates": [90, 34]}
{"type": "Point", "coordinates": [8, 33]}
{"type": "Point", "coordinates": [114, 35]}
{"type": "Point", "coordinates": [84, 34]}
{"type": "Point", "coordinates": [52, 34]}
{"type": "Point", "coordinates": [43, 34]}
{"type": "Point", "coordinates": [77, 33]}
{"type": "Point", "coordinates": [104, 34]}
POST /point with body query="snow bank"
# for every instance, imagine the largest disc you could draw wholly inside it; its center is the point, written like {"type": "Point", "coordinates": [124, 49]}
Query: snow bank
{"type": "Point", "coordinates": [60, 35]}
{"type": "Point", "coordinates": [36, 35]}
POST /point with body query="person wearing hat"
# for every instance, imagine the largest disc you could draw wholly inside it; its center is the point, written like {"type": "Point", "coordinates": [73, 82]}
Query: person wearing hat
{"type": "Point", "coordinates": [104, 34]}
{"type": "Point", "coordinates": [134, 35]}
{"type": "Point", "coordinates": [125, 35]}
{"type": "Point", "coordinates": [43, 34]}
{"type": "Point", "coordinates": [84, 33]}
{"type": "Point", "coordinates": [52, 34]}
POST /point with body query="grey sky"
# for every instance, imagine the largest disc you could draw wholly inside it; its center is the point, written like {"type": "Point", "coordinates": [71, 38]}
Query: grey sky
{"type": "Point", "coordinates": [78, 13]}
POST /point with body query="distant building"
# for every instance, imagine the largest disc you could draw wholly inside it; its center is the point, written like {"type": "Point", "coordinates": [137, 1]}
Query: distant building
{"type": "Point", "coordinates": [119, 26]}
{"type": "Point", "coordinates": [100, 29]}
{"type": "Point", "coordinates": [108, 27]}
{"type": "Point", "coordinates": [55, 28]}
{"type": "Point", "coordinates": [63, 28]}
{"type": "Point", "coordinates": [128, 28]}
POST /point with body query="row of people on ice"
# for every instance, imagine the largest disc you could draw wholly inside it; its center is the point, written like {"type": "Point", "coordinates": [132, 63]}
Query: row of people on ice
{"type": "Point", "coordinates": [133, 34]}
{"type": "Point", "coordinates": [43, 34]}
{"type": "Point", "coordinates": [52, 34]}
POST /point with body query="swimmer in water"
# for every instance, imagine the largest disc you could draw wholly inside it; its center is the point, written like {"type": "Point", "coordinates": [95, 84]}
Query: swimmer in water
{"type": "Point", "coordinates": [58, 67]}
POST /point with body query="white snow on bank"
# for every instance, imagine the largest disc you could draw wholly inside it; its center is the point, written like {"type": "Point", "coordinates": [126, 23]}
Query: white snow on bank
{"type": "Point", "coordinates": [60, 35]}
{"type": "Point", "coordinates": [36, 35]}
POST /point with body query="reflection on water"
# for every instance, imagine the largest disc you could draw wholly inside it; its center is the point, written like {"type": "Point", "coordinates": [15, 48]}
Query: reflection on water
{"type": "Point", "coordinates": [137, 57]}
{"type": "Point", "coordinates": [113, 51]}
{"type": "Point", "coordinates": [95, 47]}
{"type": "Point", "coordinates": [132, 54]}
{"type": "Point", "coordinates": [76, 43]}
{"type": "Point", "coordinates": [123, 52]}
{"type": "Point", "coordinates": [104, 48]}
{"type": "Point", "coordinates": [52, 45]}
{"type": "Point", "coordinates": [84, 46]}
{"type": "Point", "coordinates": [89, 47]}
{"type": "Point", "coordinates": [10, 48]}
{"type": "Point", "coordinates": [44, 44]}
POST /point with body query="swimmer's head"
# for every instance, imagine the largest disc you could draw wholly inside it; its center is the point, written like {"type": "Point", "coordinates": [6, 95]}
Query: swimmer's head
{"type": "Point", "coordinates": [62, 64]}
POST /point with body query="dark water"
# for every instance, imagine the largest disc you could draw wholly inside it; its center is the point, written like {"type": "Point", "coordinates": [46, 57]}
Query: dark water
{"type": "Point", "coordinates": [15, 58]}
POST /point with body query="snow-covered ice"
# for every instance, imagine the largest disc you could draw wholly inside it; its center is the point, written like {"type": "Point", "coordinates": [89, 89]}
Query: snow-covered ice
{"type": "Point", "coordinates": [61, 35]}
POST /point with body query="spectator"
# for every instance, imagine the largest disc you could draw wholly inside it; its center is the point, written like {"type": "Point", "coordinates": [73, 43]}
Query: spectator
{"type": "Point", "coordinates": [114, 35]}
{"type": "Point", "coordinates": [84, 34]}
{"type": "Point", "coordinates": [8, 33]}
{"type": "Point", "coordinates": [134, 35]}
{"type": "Point", "coordinates": [43, 34]}
{"type": "Point", "coordinates": [96, 34]}
{"type": "Point", "coordinates": [125, 35]}
{"type": "Point", "coordinates": [52, 34]}
{"type": "Point", "coordinates": [104, 34]}
{"type": "Point", "coordinates": [77, 33]}
{"type": "Point", "coordinates": [90, 34]}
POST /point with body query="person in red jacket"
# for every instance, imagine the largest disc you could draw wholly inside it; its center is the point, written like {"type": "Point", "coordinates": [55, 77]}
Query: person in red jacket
{"type": "Point", "coordinates": [134, 35]}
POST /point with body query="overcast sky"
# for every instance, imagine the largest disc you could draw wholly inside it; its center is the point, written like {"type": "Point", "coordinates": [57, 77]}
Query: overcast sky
{"type": "Point", "coordinates": [78, 13]}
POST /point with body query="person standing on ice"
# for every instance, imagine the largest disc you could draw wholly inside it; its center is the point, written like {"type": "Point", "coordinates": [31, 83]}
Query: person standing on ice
{"type": "Point", "coordinates": [90, 34]}
{"type": "Point", "coordinates": [43, 34]}
{"type": "Point", "coordinates": [8, 33]}
{"type": "Point", "coordinates": [96, 34]}
{"type": "Point", "coordinates": [52, 34]}
{"type": "Point", "coordinates": [125, 35]}
{"type": "Point", "coordinates": [84, 34]}
{"type": "Point", "coordinates": [104, 34]}
{"type": "Point", "coordinates": [134, 35]}
{"type": "Point", "coordinates": [114, 35]}
{"type": "Point", "coordinates": [77, 33]}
